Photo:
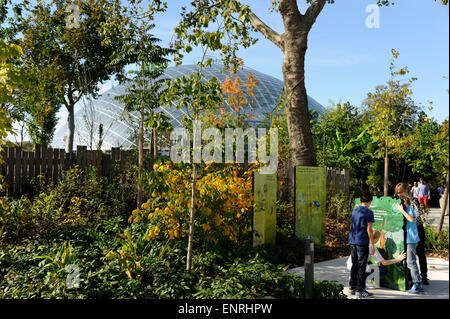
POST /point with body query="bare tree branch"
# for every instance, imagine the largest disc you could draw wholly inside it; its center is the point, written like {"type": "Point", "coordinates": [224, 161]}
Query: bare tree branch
{"type": "Point", "coordinates": [289, 8]}
{"type": "Point", "coordinates": [314, 10]}
{"type": "Point", "coordinates": [267, 31]}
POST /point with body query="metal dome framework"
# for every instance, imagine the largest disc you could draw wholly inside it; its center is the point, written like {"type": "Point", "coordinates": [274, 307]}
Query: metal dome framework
{"type": "Point", "coordinates": [118, 131]}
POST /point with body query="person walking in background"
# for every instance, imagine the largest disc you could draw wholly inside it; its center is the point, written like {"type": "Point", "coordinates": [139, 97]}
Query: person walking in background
{"type": "Point", "coordinates": [414, 190]}
{"type": "Point", "coordinates": [412, 239]}
{"type": "Point", "coordinates": [401, 190]}
{"type": "Point", "coordinates": [361, 235]}
{"type": "Point", "coordinates": [441, 189]}
{"type": "Point", "coordinates": [423, 193]}
{"type": "Point", "coordinates": [390, 188]}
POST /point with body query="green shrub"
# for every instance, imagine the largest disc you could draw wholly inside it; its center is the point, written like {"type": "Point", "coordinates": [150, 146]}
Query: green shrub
{"type": "Point", "coordinates": [16, 218]}
{"type": "Point", "coordinates": [254, 278]}
{"type": "Point", "coordinates": [83, 221]}
{"type": "Point", "coordinates": [339, 207]}
{"type": "Point", "coordinates": [79, 198]}
{"type": "Point", "coordinates": [437, 242]}
{"type": "Point", "coordinates": [25, 274]}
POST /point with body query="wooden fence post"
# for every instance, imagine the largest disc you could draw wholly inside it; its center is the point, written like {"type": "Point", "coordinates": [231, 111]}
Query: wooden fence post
{"type": "Point", "coordinates": [106, 165]}
{"type": "Point", "coordinates": [44, 155]}
{"type": "Point", "coordinates": [49, 165]}
{"type": "Point", "coordinates": [24, 170]}
{"type": "Point", "coordinates": [37, 159]}
{"type": "Point", "coordinates": [4, 159]}
{"type": "Point", "coordinates": [62, 162]}
{"type": "Point", "coordinates": [347, 181]}
{"type": "Point", "coordinates": [56, 161]}
{"type": "Point", "coordinates": [32, 165]}
{"type": "Point", "coordinates": [10, 170]}
{"type": "Point", "coordinates": [17, 169]}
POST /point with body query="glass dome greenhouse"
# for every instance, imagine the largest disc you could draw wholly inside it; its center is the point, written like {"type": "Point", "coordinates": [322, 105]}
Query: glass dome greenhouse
{"type": "Point", "coordinates": [107, 111]}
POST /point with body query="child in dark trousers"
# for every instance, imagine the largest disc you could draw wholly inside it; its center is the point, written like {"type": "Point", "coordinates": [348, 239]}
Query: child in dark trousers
{"type": "Point", "coordinates": [401, 189]}
{"type": "Point", "coordinates": [361, 235]}
{"type": "Point", "coordinates": [412, 239]}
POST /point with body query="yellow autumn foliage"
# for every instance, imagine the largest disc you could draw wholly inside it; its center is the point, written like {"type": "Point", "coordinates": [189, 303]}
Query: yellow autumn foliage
{"type": "Point", "coordinates": [223, 200]}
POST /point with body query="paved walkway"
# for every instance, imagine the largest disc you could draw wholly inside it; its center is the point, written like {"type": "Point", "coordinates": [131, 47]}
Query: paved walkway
{"type": "Point", "coordinates": [336, 270]}
{"type": "Point", "coordinates": [434, 216]}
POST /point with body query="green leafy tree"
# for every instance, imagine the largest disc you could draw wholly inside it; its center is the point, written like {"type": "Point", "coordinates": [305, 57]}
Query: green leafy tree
{"type": "Point", "coordinates": [194, 96]}
{"type": "Point", "coordinates": [73, 56]}
{"type": "Point", "coordinates": [392, 113]}
{"type": "Point", "coordinates": [428, 153]}
{"type": "Point", "coordinates": [145, 87]}
{"type": "Point", "coordinates": [158, 123]}
{"type": "Point", "coordinates": [421, 148]}
{"type": "Point", "coordinates": [236, 22]}
{"type": "Point", "coordinates": [10, 78]}
{"type": "Point", "coordinates": [339, 136]}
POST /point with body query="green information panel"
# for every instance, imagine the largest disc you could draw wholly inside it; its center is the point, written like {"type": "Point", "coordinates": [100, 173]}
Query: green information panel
{"type": "Point", "coordinates": [264, 212]}
{"type": "Point", "coordinates": [389, 221]}
{"type": "Point", "coordinates": [310, 202]}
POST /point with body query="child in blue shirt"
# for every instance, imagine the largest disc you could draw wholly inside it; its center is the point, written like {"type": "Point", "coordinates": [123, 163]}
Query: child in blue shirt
{"type": "Point", "coordinates": [412, 239]}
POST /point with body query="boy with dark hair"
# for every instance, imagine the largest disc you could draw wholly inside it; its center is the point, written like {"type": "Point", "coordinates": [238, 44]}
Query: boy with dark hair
{"type": "Point", "coordinates": [361, 235]}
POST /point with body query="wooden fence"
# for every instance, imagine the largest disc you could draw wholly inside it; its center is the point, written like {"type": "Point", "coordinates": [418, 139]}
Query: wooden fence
{"type": "Point", "coordinates": [338, 180]}
{"type": "Point", "coordinates": [20, 167]}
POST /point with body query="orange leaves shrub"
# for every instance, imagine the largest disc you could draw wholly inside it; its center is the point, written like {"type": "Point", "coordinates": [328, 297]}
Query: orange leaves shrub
{"type": "Point", "coordinates": [223, 203]}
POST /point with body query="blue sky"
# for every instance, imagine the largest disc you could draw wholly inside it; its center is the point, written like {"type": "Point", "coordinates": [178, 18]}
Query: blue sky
{"type": "Point", "coordinates": [345, 59]}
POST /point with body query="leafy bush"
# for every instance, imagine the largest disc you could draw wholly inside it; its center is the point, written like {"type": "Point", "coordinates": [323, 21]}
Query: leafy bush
{"type": "Point", "coordinates": [339, 207]}
{"type": "Point", "coordinates": [223, 202]}
{"type": "Point", "coordinates": [143, 256]}
{"type": "Point", "coordinates": [66, 203]}
{"type": "Point", "coordinates": [159, 269]}
{"type": "Point", "coordinates": [37, 267]}
{"type": "Point", "coordinates": [437, 242]}
{"type": "Point", "coordinates": [254, 278]}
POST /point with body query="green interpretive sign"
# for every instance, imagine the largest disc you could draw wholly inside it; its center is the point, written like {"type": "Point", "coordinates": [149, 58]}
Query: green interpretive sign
{"type": "Point", "coordinates": [310, 202]}
{"type": "Point", "coordinates": [389, 222]}
{"type": "Point", "coordinates": [264, 211]}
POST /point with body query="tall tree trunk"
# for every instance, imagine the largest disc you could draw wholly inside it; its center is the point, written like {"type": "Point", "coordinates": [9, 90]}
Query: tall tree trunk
{"type": "Point", "coordinates": [191, 220]}
{"type": "Point", "coordinates": [140, 160]}
{"type": "Point", "coordinates": [150, 148]}
{"type": "Point", "coordinates": [297, 113]}
{"type": "Point", "coordinates": [155, 144]}
{"type": "Point", "coordinates": [386, 172]}
{"type": "Point", "coordinates": [294, 43]}
{"type": "Point", "coordinates": [444, 206]}
{"type": "Point", "coordinates": [301, 147]}
{"type": "Point", "coordinates": [70, 124]}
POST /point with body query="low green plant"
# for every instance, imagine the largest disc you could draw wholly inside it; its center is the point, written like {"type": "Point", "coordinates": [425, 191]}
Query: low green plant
{"type": "Point", "coordinates": [66, 203]}
{"type": "Point", "coordinates": [437, 242]}
{"type": "Point", "coordinates": [62, 269]}
{"type": "Point", "coordinates": [26, 273]}
{"type": "Point", "coordinates": [339, 207]}
{"type": "Point", "coordinates": [16, 218]}
{"type": "Point", "coordinates": [254, 278]}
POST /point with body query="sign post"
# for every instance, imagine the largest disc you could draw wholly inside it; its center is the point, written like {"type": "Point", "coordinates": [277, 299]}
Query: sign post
{"type": "Point", "coordinates": [264, 212]}
{"type": "Point", "coordinates": [310, 202]}
{"type": "Point", "coordinates": [309, 268]}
